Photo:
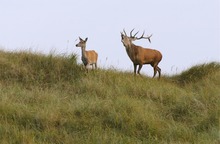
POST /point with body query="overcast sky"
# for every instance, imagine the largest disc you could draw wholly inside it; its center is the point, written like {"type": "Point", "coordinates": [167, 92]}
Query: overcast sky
{"type": "Point", "coordinates": [187, 32]}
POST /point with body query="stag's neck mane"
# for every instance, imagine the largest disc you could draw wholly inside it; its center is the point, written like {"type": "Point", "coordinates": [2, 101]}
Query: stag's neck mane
{"type": "Point", "coordinates": [132, 51]}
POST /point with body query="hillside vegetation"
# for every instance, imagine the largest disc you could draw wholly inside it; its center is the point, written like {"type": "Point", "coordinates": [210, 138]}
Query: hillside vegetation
{"type": "Point", "coordinates": [50, 99]}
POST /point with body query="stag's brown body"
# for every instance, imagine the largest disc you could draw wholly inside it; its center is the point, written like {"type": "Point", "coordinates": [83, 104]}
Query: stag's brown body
{"type": "Point", "coordinates": [140, 56]}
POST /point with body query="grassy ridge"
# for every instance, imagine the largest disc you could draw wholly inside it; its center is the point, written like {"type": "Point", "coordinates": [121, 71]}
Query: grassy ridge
{"type": "Point", "coordinates": [50, 99]}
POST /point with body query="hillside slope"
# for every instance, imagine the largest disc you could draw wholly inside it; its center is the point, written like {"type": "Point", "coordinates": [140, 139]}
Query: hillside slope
{"type": "Point", "coordinates": [50, 99]}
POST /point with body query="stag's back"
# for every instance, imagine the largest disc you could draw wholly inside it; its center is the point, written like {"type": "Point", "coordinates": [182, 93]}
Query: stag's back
{"type": "Point", "coordinates": [146, 55]}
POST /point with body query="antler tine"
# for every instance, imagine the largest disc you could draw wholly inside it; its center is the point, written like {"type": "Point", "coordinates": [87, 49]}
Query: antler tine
{"type": "Point", "coordinates": [150, 37]}
{"type": "Point", "coordinates": [142, 35]}
{"type": "Point", "coordinates": [124, 32]}
{"type": "Point", "coordinates": [131, 32]}
{"type": "Point", "coordinates": [136, 33]}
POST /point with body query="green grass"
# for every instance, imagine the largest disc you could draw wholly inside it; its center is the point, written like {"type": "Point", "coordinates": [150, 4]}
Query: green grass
{"type": "Point", "coordinates": [51, 99]}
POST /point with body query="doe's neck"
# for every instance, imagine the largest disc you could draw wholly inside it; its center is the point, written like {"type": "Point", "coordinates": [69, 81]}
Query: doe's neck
{"type": "Point", "coordinates": [83, 48]}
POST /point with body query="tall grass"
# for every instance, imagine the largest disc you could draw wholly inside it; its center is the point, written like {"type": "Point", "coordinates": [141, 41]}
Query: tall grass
{"type": "Point", "coordinates": [197, 73]}
{"type": "Point", "coordinates": [51, 99]}
{"type": "Point", "coordinates": [29, 68]}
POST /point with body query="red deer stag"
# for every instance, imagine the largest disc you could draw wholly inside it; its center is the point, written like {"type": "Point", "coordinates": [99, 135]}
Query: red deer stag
{"type": "Point", "coordinates": [88, 57]}
{"type": "Point", "coordinates": [139, 55]}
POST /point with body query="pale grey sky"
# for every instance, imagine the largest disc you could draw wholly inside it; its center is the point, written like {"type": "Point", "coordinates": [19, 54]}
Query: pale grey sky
{"type": "Point", "coordinates": [187, 32]}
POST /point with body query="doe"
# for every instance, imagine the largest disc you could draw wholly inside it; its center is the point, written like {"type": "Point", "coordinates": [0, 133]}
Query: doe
{"type": "Point", "coordinates": [89, 57]}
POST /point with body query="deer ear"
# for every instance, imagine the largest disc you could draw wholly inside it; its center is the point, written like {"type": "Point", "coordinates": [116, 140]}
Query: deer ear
{"type": "Point", "coordinates": [86, 39]}
{"type": "Point", "coordinates": [80, 39]}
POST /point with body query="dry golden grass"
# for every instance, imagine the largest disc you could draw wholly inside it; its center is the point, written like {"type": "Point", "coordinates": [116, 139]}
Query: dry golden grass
{"type": "Point", "coordinates": [50, 99]}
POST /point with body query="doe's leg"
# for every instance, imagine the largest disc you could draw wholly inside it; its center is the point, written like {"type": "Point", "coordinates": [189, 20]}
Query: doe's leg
{"type": "Point", "coordinates": [87, 67]}
{"type": "Point", "coordinates": [96, 65]}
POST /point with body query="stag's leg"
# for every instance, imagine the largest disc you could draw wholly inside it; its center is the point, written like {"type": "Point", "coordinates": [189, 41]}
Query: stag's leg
{"type": "Point", "coordinates": [139, 68]}
{"type": "Point", "coordinates": [159, 71]}
{"type": "Point", "coordinates": [135, 69]}
{"type": "Point", "coordinates": [155, 69]}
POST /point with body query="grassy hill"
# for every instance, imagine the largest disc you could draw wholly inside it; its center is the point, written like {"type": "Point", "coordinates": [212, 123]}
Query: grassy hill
{"type": "Point", "coordinates": [50, 99]}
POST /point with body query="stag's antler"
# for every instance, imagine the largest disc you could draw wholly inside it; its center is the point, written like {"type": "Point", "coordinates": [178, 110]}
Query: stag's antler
{"type": "Point", "coordinates": [124, 32]}
{"type": "Point", "coordinates": [142, 37]}
{"type": "Point", "coordinates": [138, 38]}
{"type": "Point", "coordinates": [134, 34]}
